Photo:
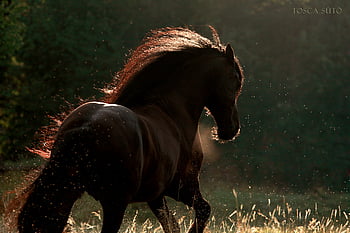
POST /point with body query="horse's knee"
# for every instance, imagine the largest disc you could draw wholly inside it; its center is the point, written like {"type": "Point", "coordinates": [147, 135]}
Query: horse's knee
{"type": "Point", "coordinates": [202, 209]}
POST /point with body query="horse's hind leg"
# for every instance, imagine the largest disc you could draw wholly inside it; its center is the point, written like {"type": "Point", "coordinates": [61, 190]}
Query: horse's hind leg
{"type": "Point", "coordinates": [113, 213]}
{"type": "Point", "coordinates": [49, 202]}
{"type": "Point", "coordinates": [160, 208]}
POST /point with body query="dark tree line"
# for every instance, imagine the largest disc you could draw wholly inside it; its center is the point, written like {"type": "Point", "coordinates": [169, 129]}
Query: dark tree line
{"type": "Point", "coordinates": [295, 107]}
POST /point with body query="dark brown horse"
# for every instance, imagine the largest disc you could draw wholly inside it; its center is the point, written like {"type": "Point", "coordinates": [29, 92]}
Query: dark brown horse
{"type": "Point", "coordinates": [141, 144]}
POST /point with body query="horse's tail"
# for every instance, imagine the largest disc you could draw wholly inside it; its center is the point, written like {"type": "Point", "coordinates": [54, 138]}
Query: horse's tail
{"type": "Point", "coordinates": [14, 201]}
{"type": "Point", "coordinates": [45, 205]}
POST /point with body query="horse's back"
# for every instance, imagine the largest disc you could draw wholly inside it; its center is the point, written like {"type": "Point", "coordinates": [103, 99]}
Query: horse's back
{"type": "Point", "coordinates": [108, 124]}
{"type": "Point", "coordinates": [105, 141]}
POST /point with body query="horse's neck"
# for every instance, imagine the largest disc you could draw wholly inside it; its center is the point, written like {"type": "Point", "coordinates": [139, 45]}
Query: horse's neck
{"type": "Point", "coordinates": [185, 101]}
{"type": "Point", "coordinates": [184, 110]}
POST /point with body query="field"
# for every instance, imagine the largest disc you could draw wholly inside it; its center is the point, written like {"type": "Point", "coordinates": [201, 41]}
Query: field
{"type": "Point", "coordinates": [234, 209]}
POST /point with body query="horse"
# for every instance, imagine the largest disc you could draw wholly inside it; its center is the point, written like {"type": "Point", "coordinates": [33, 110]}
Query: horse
{"type": "Point", "coordinates": [141, 143]}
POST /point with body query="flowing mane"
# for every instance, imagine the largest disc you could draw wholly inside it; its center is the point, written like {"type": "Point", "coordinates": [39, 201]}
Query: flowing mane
{"type": "Point", "coordinates": [161, 49]}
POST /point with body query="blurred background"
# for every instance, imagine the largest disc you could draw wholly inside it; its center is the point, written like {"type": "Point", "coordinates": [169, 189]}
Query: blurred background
{"type": "Point", "coordinates": [294, 108]}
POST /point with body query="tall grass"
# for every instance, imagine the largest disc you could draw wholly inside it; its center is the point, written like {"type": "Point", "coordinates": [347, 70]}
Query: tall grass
{"type": "Point", "coordinates": [278, 219]}
{"type": "Point", "coordinates": [286, 219]}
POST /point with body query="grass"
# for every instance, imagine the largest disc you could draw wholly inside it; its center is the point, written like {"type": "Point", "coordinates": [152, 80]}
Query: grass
{"type": "Point", "coordinates": [271, 219]}
{"type": "Point", "coordinates": [243, 210]}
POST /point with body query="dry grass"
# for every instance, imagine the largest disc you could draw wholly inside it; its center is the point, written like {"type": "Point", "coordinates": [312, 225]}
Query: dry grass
{"type": "Point", "coordinates": [280, 219]}
{"type": "Point", "coordinates": [286, 220]}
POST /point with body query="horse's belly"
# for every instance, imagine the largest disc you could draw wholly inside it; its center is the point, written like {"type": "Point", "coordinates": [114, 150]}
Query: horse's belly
{"type": "Point", "coordinates": [154, 187]}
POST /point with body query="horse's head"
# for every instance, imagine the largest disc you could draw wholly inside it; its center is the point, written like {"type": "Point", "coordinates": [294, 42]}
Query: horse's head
{"type": "Point", "coordinates": [226, 86]}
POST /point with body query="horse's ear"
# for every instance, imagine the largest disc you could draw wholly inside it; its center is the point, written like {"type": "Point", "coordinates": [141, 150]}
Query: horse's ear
{"type": "Point", "coordinates": [229, 52]}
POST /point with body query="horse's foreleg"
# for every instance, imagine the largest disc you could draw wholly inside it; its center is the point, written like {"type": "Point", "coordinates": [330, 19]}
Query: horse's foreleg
{"type": "Point", "coordinates": [202, 209]}
{"type": "Point", "coordinates": [191, 196]}
{"type": "Point", "coordinates": [190, 193]}
{"type": "Point", "coordinates": [112, 215]}
{"type": "Point", "coordinates": [160, 209]}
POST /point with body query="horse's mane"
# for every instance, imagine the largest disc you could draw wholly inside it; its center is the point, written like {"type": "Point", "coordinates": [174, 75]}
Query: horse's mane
{"type": "Point", "coordinates": [158, 47]}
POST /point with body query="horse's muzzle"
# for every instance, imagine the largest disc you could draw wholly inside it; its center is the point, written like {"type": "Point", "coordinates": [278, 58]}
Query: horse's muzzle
{"type": "Point", "coordinates": [228, 133]}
